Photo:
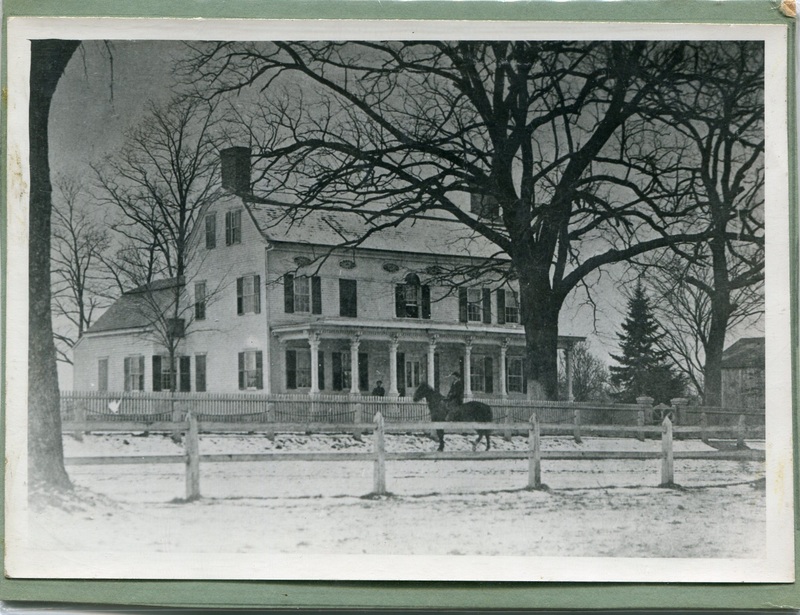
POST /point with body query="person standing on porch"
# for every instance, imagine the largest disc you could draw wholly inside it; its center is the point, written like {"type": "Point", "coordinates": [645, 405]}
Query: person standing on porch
{"type": "Point", "coordinates": [455, 395]}
{"type": "Point", "coordinates": [379, 391]}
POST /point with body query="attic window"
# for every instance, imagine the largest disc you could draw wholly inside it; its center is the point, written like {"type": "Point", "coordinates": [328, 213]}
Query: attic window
{"type": "Point", "coordinates": [233, 227]}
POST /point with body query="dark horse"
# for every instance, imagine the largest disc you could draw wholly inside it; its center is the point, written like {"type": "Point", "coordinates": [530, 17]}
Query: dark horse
{"type": "Point", "coordinates": [441, 410]}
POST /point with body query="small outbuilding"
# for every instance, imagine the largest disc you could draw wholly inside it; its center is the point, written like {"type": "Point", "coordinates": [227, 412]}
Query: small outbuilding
{"type": "Point", "coordinates": [743, 374]}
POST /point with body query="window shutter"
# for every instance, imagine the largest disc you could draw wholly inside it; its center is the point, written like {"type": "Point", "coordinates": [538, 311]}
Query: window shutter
{"type": "Point", "coordinates": [462, 305]}
{"type": "Point", "coordinates": [524, 376]}
{"type": "Point", "coordinates": [259, 370]}
{"type": "Point", "coordinates": [241, 371]}
{"type": "Point", "coordinates": [316, 295]}
{"type": "Point", "coordinates": [348, 298]}
{"type": "Point", "coordinates": [126, 372]}
{"type": "Point", "coordinates": [337, 371]}
{"type": "Point", "coordinates": [228, 225]}
{"type": "Point", "coordinates": [487, 306]}
{"type": "Point", "coordinates": [140, 360]}
{"type": "Point", "coordinates": [399, 301]}
{"type": "Point", "coordinates": [288, 293]}
{"type": "Point", "coordinates": [501, 306]}
{"type": "Point", "coordinates": [363, 371]}
{"type": "Point", "coordinates": [401, 373]}
{"type": "Point", "coordinates": [291, 369]}
{"type": "Point", "coordinates": [437, 380]}
{"type": "Point", "coordinates": [156, 373]}
{"type": "Point", "coordinates": [426, 301]}
{"type": "Point", "coordinates": [489, 375]}
{"type": "Point", "coordinates": [321, 370]}
{"type": "Point", "coordinates": [240, 296]}
{"type": "Point", "coordinates": [185, 374]}
{"type": "Point", "coordinates": [200, 373]}
{"type": "Point", "coordinates": [257, 291]}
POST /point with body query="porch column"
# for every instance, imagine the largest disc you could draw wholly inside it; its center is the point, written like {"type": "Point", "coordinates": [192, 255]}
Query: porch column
{"type": "Point", "coordinates": [313, 342]}
{"type": "Point", "coordinates": [568, 361]}
{"type": "Point", "coordinates": [393, 343]}
{"type": "Point", "coordinates": [502, 368]}
{"type": "Point", "coordinates": [468, 368]}
{"type": "Point", "coordinates": [354, 344]}
{"type": "Point", "coordinates": [432, 361]}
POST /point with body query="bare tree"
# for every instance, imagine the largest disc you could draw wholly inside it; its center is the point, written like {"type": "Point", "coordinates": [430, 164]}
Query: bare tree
{"type": "Point", "coordinates": [166, 172]}
{"type": "Point", "coordinates": [79, 285]}
{"type": "Point", "coordinates": [546, 136]}
{"type": "Point", "coordinates": [720, 282]}
{"type": "Point", "coordinates": [590, 378]}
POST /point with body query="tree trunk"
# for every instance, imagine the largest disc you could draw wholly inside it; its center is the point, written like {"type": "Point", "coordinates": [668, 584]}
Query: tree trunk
{"type": "Point", "coordinates": [720, 315]}
{"type": "Point", "coordinates": [45, 450]}
{"type": "Point", "coordinates": [539, 310]}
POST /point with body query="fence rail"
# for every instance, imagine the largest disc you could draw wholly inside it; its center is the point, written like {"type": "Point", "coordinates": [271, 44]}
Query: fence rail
{"type": "Point", "coordinates": [379, 456]}
{"type": "Point", "coordinates": [77, 406]}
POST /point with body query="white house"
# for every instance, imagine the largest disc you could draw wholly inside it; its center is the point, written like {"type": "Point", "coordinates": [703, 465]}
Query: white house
{"type": "Point", "coordinates": [280, 306]}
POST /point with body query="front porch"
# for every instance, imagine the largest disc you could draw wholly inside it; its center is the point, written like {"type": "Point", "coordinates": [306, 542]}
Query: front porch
{"type": "Point", "coordinates": [352, 357]}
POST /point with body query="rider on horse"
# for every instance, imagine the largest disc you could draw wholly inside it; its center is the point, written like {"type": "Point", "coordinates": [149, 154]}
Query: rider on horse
{"type": "Point", "coordinates": [455, 397]}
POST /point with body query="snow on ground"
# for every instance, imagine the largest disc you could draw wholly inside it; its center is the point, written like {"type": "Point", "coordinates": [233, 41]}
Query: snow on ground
{"type": "Point", "coordinates": [592, 508]}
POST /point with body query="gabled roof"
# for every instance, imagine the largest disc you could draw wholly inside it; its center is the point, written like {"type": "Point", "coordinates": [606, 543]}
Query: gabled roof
{"type": "Point", "coordinates": [747, 352]}
{"type": "Point", "coordinates": [328, 226]}
{"type": "Point", "coordinates": [135, 308]}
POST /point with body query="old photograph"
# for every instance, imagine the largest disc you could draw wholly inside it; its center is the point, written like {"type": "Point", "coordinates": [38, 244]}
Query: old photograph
{"type": "Point", "coordinates": [398, 301]}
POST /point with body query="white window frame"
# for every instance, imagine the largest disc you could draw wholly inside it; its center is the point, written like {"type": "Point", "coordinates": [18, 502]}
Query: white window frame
{"type": "Point", "coordinates": [302, 295]}
{"type": "Point", "coordinates": [303, 368]}
{"type": "Point", "coordinates": [250, 370]}
{"type": "Point", "coordinates": [515, 377]}
{"type": "Point", "coordinates": [474, 307]}
{"type": "Point", "coordinates": [477, 372]}
{"type": "Point", "coordinates": [512, 311]}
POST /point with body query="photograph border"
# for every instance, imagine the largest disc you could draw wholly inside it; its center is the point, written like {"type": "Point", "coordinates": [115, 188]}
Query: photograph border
{"type": "Point", "coordinates": [234, 593]}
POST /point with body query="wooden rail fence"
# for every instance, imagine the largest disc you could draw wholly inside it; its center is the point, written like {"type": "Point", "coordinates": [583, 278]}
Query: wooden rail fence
{"type": "Point", "coordinates": [192, 456]}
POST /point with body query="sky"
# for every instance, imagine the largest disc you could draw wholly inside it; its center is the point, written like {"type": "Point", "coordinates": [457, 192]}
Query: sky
{"type": "Point", "coordinates": [104, 92]}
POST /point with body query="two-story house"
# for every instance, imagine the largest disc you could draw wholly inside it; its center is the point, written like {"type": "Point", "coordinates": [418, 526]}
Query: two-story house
{"type": "Point", "coordinates": [279, 305]}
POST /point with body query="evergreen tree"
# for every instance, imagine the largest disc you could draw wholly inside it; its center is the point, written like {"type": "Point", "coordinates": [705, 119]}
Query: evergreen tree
{"type": "Point", "coordinates": [643, 368]}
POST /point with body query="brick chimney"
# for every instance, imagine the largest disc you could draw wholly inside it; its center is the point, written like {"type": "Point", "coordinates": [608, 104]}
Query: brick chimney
{"type": "Point", "coordinates": [235, 163]}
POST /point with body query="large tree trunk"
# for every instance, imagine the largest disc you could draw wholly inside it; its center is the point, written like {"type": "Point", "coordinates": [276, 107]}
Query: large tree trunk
{"type": "Point", "coordinates": [539, 310]}
{"type": "Point", "coordinates": [720, 315]}
{"type": "Point", "coordinates": [45, 451]}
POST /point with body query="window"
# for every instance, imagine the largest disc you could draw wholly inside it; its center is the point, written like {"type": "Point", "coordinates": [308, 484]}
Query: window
{"type": "Point", "coordinates": [184, 374]}
{"type": "Point", "coordinates": [233, 227]}
{"type": "Point", "coordinates": [200, 373]}
{"type": "Point", "coordinates": [302, 294]}
{"type": "Point", "coordinates": [200, 301]}
{"type": "Point", "coordinates": [342, 371]}
{"type": "Point", "coordinates": [134, 373]}
{"type": "Point", "coordinates": [102, 374]}
{"type": "Point", "coordinates": [415, 372]}
{"type": "Point", "coordinates": [474, 299]}
{"type": "Point", "coordinates": [507, 306]}
{"type": "Point", "coordinates": [162, 374]}
{"type": "Point", "coordinates": [515, 378]}
{"type": "Point", "coordinates": [412, 299]}
{"type": "Point", "coordinates": [474, 305]}
{"type": "Point", "coordinates": [248, 295]}
{"type": "Point", "coordinates": [250, 370]}
{"type": "Point", "coordinates": [298, 369]}
{"type": "Point", "coordinates": [481, 377]}
{"type": "Point", "coordinates": [348, 298]}
{"type": "Point", "coordinates": [211, 231]}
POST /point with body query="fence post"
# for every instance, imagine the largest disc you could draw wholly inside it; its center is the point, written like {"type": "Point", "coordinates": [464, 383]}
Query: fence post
{"type": "Point", "coordinates": [176, 418]}
{"type": "Point", "coordinates": [379, 473]}
{"type": "Point", "coordinates": [576, 429]}
{"type": "Point", "coordinates": [192, 447]}
{"type": "Point", "coordinates": [80, 419]}
{"type": "Point", "coordinates": [357, 418]}
{"type": "Point", "coordinates": [534, 455]}
{"type": "Point", "coordinates": [270, 421]}
{"type": "Point", "coordinates": [507, 421]}
{"type": "Point", "coordinates": [704, 427]}
{"type": "Point", "coordinates": [640, 425]}
{"type": "Point", "coordinates": [741, 429]}
{"type": "Point", "coordinates": [667, 464]}
{"type": "Point", "coordinates": [680, 404]}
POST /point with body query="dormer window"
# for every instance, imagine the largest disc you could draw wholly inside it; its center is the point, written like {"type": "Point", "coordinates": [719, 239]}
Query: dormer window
{"type": "Point", "coordinates": [412, 299]}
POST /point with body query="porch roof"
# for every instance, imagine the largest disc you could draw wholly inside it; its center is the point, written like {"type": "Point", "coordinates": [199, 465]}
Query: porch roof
{"type": "Point", "coordinates": [410, 331]}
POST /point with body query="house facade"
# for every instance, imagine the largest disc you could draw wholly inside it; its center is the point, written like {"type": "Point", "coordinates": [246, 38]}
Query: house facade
{"type": "Point", "coordinates": [289, 300]}
{"type": "Point", "coordinates": [743, 383]}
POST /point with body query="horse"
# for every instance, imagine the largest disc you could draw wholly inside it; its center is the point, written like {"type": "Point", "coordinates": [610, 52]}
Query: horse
{"type": "Point", "coordinates": [441, 410]}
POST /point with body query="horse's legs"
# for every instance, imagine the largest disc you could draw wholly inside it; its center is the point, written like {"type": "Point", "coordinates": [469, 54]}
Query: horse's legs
{"type": "Point", "coordinates": [440, 433]}
{"type": "Point", "coordinates": [488, 443]}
